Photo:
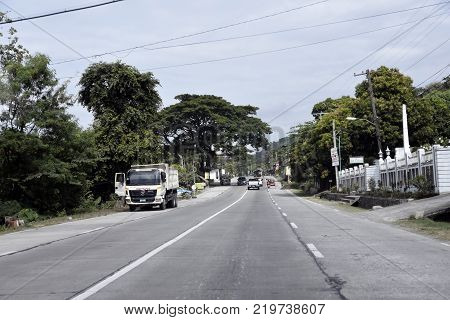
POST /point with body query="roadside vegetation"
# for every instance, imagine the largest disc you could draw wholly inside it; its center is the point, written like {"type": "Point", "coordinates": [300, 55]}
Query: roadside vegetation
{"type": "Point", "coordinates": [437, 227]}
{"type": "Point", "coordinates": [306, 149]}
{"type": "Point", "coordinates": [52, 169]}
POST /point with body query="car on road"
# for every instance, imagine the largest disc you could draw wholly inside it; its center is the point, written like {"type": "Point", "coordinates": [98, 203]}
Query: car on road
{"type": "Point", "coordinates": [270, 183]}
{"type": "Point", "coordinates": [253, 184]}
{"type": "Point", "coordinates": [241, 181]}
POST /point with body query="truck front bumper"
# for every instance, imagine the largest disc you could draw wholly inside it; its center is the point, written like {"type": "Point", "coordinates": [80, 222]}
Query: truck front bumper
{"type": "Point", "coordinates": [144, 201]}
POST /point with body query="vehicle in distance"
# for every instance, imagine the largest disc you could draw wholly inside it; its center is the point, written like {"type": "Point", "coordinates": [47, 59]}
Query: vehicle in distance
{"type": "Point", "coordinates": [225, 180]}
{"type": "Point", "coordinates": [148, 185]}
{"type": "Point", "coordinates": [260, 181]}
{"type": "Point", "coordinates": [241, 181]}
{"type": "Point", "coordinates": [270, 183]}
{"type": "Point", "coordinates": [253, 184]}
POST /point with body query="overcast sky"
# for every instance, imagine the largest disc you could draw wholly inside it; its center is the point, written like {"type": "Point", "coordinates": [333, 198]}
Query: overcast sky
{"type": "Point", "coordinates": [272, 82]}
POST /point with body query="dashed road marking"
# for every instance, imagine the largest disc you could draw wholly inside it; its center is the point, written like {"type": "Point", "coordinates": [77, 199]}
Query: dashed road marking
{"type": "Point", "coordinates": [279, 208]}
{"type": "Point", "coordinates": [445, 244]}
{"type": "Point", "coordinates": [119, 273]}
{"type": "Point", "coordinates": [314, 250]}
{"type": "Point", "coordinates": [93, 230]}
{"type": "Point", "coordinates": [293, 225]}
{"type": "Point", "coordinates": [284, 214]}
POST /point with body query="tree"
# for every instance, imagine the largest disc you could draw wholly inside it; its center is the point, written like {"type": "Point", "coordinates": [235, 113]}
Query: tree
{"type": "Point", "coordinates": [206, 124]}
{"type": "Point", "coordinates": [124, 103]}
{"type": "Point", "coordinates": [44, 156]}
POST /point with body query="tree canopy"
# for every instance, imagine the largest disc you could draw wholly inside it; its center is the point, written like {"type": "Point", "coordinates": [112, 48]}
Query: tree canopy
{"type": "Point", "coordinates": [428, 118]}
{"type": "Point", "coordinates": [205, 124]}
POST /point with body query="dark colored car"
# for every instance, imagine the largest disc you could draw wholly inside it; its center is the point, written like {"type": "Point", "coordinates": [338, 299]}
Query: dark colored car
{"type": "Point", "coordinates": [242, 181]}
{"type": "Point", "coordinates": [225, 181]}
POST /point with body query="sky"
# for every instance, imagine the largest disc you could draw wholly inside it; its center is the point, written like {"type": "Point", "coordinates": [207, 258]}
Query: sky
{"type": "Point", "coordinates": [274, 82]}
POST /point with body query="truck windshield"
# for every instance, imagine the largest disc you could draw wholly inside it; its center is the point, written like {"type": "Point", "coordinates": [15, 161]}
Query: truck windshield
{"type": "Point", "coordinates": [144, 178]}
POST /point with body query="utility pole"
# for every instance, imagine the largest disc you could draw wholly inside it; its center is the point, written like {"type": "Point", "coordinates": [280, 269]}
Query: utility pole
{"type": "Point", "coordinates": [336, 168]}
{"type": "Point", "coordinates": [374, 109]}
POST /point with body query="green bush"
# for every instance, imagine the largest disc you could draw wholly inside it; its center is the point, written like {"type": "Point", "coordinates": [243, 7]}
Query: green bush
{"type": "Point", "coordinates": [9, 208]}
{"type": "Point", "coordinates": [28, 215]}
{"type": "Point", "coordinates": [372, 184]}
{"type": "Point", "coordinates": [423, 185]}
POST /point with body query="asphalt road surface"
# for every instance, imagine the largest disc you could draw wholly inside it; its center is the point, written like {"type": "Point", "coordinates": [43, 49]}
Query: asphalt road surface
{"type": "Point", "coordinates": [240, 245]}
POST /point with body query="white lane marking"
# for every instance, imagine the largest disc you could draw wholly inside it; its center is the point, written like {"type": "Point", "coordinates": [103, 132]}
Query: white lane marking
{"type": "Point", "coordinates": [293, 225]}
{"type": "Point", "coordinates": [279, 208]}
{"type": "Point", "coordinates": [336, 210]}
{"type": "Point", "coordinates": [314, 250]}
{"type": "Point", "coordinates": [93, 230]}
{"type": "Point", "coordinates": [284, 214]}
{"type": "Point", "coordinates": [445, 244]}
{"type": "Point", "coordinates": [7, 253]}
{"type": "Point", "coordinates": [97, 287]}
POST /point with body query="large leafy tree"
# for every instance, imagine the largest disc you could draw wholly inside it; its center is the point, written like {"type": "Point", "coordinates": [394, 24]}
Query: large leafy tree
{"type": "Point", "coordinates": [206, 125]}
{"type": "Point", "coordinates": [124, 103]}
{"type": "Point", "coordinates": [428, 118]}
{"type": "Point", "coordinates": [45, 158]}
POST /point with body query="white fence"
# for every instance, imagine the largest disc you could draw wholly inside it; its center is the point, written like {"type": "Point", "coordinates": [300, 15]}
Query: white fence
{"type": "Point", "coordinates": [397, 173]}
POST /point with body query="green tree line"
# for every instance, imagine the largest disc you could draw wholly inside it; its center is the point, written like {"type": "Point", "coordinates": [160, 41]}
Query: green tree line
{"type": "Point", "coordinates": [428, 122]}
{"type": "Point", "coordinates": [52, 166]}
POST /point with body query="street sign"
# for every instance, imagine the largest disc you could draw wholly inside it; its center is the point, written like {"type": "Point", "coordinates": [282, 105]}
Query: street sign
{"type": "Point", "coordinates": [334, 157]}
{"type": "Point", "coordinates": [356, 160]}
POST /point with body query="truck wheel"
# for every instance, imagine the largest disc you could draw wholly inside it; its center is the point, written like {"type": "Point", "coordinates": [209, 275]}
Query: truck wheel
{"type": "Point", "coordinates": [175, 202]}
{"type": "Point", "coordinates": [132, 208]}
{"type": "Point", "coordinates": [163, 206]}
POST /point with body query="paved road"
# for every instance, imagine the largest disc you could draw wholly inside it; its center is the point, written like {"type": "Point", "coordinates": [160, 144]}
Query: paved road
{"type": "Point", "coordinates": [238, 245]}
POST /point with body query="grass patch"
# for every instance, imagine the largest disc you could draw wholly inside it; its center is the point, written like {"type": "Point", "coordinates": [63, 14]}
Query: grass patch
{"type": "Point", "coordinates": [436, 229]}
{"type": "Point", "coordinates": [331, 204]}
{"type": "Point", "coordinates": [44, 221]}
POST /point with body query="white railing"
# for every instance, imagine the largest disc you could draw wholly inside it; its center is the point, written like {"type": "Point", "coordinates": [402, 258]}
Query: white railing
{"type": "Point", "coordinates": [397, 173]}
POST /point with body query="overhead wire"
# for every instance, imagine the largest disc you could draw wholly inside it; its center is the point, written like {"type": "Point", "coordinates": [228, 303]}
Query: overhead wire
{"type": "Point", "coordinates": [22, 18]}
{"type": "Point", "coordinates": [428, 54]}
{"type": "Point", "coordinates": [270, 51]}
{"type": "Point", "coordinates": [416, 41]}
{"type": "Point", "coordinates": [434, 75]}
{"type": "Point", "coordinates": [82, 57]}
{"type": "Point", "coordinates": [348, 69]}
{"type": "Point", "coordinates": [200, 32]}
{"type": "Point", "coordinates": [248, 36]}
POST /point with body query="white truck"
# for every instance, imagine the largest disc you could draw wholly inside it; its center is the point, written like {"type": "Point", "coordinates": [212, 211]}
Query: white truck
{"type": "Point", "coordinates": [148, 185]}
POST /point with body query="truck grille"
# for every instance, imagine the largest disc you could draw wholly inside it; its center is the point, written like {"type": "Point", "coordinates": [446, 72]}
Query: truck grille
{"type": "Point", "coordinates": [142, 193]}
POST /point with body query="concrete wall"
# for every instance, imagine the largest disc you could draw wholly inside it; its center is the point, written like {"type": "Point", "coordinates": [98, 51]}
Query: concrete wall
{"type": "Point", "coordinates": [442, 173]}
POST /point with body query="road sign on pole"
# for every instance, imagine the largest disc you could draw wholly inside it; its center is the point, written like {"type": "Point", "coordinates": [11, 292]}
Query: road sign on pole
{"type": "Point", "coordinates": [334, 157]}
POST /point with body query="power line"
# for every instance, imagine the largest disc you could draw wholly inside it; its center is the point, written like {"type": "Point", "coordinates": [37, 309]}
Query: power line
{"type": "Point", "coordinates": [427, 54]}
{"type": "Point", "coordinates": [416, 41]}
{"type": "Point", "coordinates": [350, 67]}
{"type": "Point", "coordinates": [433, 75]}
{"type": "Point", "coordinates": [202, 32]}
{"type": "Point", "coordinates": [392, 56]}
{"type": "Point", "coordinates": [263, 34]}
{"type": "Point", "coordinates": [51, 35]}
{"type": "Point", "coordinates": [59, 12]}
{"type": "Point", "coordinates": [271, 51]}
{"type": "Point", "coordinates": [278, 50]}
{"type": "Point", "coordinates": [251, 35]}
